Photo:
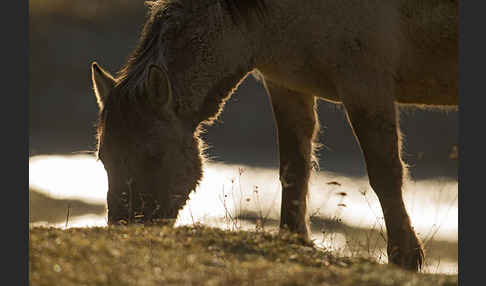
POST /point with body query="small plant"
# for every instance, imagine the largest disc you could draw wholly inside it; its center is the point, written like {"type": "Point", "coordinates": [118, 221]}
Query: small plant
{"type": "Point", "coordinates": [67, 215]}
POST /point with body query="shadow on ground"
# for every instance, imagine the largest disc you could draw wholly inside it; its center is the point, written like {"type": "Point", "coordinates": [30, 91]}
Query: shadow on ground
{"type": "Point", "coordinates": [43, 208]}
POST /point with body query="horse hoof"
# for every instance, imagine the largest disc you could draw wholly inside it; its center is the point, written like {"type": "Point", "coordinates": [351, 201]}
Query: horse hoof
{"type": "Point", "coordinates": [409, 256]}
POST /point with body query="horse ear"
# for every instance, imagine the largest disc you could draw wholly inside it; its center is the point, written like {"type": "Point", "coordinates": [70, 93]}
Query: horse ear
{"type": "Point", "coordinates": [158, 86]}
{"type": "Point", "coordinates": [103, 82]}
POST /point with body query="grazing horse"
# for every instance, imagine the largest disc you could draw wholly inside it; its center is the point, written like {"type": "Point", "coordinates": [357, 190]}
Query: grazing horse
{"type": "Point", "coordinates": [367, 55]}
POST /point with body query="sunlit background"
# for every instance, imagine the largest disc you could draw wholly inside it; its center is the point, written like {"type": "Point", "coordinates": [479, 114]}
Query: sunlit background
{"type": "Point", "coordinates": [240, 186]}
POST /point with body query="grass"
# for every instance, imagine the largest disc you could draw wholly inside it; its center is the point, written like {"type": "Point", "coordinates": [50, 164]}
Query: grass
{"type": "Point", "coordinates": [361, 242]}
{"type": "Point", "coordinates": [196, 255]}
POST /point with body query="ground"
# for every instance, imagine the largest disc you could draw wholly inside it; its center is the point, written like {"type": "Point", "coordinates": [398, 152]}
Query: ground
{"type": "Point", "coordinates": [198, 255]}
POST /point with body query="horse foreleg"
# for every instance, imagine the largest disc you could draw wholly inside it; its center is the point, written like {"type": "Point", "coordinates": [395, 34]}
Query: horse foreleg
{"type": "Point", "coordinates": [297, 125]}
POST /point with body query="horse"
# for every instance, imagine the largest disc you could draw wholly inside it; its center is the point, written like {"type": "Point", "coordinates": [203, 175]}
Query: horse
{"type": "Point", "coordinates": [369, 56]}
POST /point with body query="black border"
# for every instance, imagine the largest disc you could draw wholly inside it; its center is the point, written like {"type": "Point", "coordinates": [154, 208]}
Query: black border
{"type": "Point", "coordinates": [472, 63]}
{"type": "Point", "coordinates": [15, 151]}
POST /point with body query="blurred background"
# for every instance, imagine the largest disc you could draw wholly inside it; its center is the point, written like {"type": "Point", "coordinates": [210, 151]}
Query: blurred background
{"type": "Point", "coordinates": [66, 36]}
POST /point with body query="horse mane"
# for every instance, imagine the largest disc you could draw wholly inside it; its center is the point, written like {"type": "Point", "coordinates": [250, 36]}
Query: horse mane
{"type": "Point", "coordinates": [165, 19]}
{"type": "Point", "coordinates": [245, 8]}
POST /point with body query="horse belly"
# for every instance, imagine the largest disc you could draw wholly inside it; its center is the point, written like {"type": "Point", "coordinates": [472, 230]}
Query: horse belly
{"type": "Point", "coordinates": [428, 92]}
{"type": "Point", "coordinates": [433, 83]}
{"type": "Point", "coordinates": [304, 80]}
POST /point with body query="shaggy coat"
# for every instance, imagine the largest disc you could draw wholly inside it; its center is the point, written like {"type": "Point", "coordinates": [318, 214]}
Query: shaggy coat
{"type": "Point", "coordinates": [366, 55]}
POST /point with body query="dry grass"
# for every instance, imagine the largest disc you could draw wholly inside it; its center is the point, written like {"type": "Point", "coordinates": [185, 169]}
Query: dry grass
{"type": "Point", "coordinates": [139, 255]}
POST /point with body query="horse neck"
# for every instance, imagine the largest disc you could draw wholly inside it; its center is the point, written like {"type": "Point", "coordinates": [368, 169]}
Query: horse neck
{"type": "Point", "coordinates": [213, 68]}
